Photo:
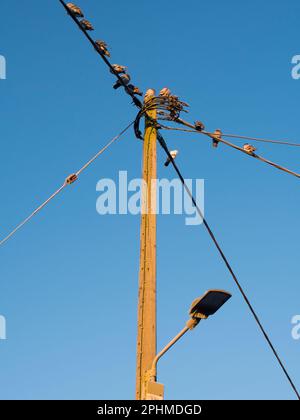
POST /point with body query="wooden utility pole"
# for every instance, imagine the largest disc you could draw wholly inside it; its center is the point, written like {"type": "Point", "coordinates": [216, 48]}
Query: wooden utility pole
{"type": "Point", "coordinates": [146, 340]}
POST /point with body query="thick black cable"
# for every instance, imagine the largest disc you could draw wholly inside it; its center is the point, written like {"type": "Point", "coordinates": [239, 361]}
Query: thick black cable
{"type": "Point", "coordinates": [211, 234]}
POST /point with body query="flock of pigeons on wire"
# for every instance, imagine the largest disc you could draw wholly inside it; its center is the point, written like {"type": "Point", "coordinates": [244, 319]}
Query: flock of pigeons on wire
{"type": "Point", "coordinates": [169, 106]}
{"type": "Point", "coordinates": [218, 134]}
{"type": "Point", "coordinates": [102, 49]}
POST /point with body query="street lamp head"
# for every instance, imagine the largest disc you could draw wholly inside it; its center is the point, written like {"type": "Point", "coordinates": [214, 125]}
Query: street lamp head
{"type": "Point", "coordinates": [201, 308]}
{"type": "Point", "coordinates": [208, 304]}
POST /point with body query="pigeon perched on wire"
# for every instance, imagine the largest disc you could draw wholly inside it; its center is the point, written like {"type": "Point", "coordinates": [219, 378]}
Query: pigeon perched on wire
{"type": "Point", "coordinates": [102, 48]}
{"type": "Point", "coordinates": [118, 69]}
{"type": "Point", "coordinates": [173, 153]}
{"type": "Point", "coordinates": [249, 148]}
{"type": "Point", "coordinates": [165, 92]}
{"type": "Point", "coordinates": [174, 106]}
{"type": "Point", "coordinates": [86, 25]}
{"type": "Point", "coordinates": [217, 134]}
{"type": "Point", "coordinates": [199, 126]}
{"type": "Point", "coordinates": [125, 78]}
{"type": "Point", "coordinates": [135, 90]}
{"type": "Point", "coordinates": [75, 10]}
{"type": "Point", "coordinates": [149, 95]}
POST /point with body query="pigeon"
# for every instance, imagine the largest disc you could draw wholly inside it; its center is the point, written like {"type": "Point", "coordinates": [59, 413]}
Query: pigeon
{"type": "Point", "coordinates": [149, 95]}
{"type": "Point", "coordinates": [199, 126]}
{"type": "Point", "coordinates": [118, 69]}
{"type": "Point", "coordinates": [126, 80]}
{"type": "Point", "coordinates": [135, 90]}
{"type": "Point", "coordinates": [75, 10]}
{"type": "Point", "coordinates": [173, 98]}
{"type": "Point", "coordinates": [184, 103]}
{"type": "Point", "coordinates": [173, 153]}
{"type": "Point", "coordinates": [165, 92]}
{"type": "Point", "coordinates": [102, 48]}
{"type": "Point", "coordinates": [86, 25]}
{"type": "Point", "coordinates": [218, 134]}
{"type": "Point", "coordinates": [249, 149]}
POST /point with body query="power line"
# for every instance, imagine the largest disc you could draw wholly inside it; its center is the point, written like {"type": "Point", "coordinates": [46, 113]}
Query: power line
{"type": "Point", "coordinates": [211, 234]}
{"type": "Point", "coordinates": [234, 146]}
{"type": "Point", "coordinates": [103, 149]}
{"type": "Point", "coordinates": [32, 214]}
{"type": "Point", "coordinates": [236, 136]}
{"type": "Point", "coordinates": [283, 142]}
{"type": "Point", "coordinates": [212, 136]}
{"type": "Point", "coordinates": [69, 180]}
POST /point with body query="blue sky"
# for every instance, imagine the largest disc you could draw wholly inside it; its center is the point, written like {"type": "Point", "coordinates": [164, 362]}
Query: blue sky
{"type": "Point", "coordinates": [69, 279]}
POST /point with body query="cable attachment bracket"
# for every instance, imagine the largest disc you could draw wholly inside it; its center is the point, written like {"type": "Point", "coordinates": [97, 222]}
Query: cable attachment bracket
{"type": "Point", "coordinates": [71, 179]}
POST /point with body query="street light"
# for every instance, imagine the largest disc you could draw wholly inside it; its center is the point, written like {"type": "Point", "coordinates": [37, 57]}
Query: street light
{"type": "Point", "coordinates": [201, 308]}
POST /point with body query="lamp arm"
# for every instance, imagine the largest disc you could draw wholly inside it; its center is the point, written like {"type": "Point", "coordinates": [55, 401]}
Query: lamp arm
{"type": "Point", "coordinates": [152, 373]}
